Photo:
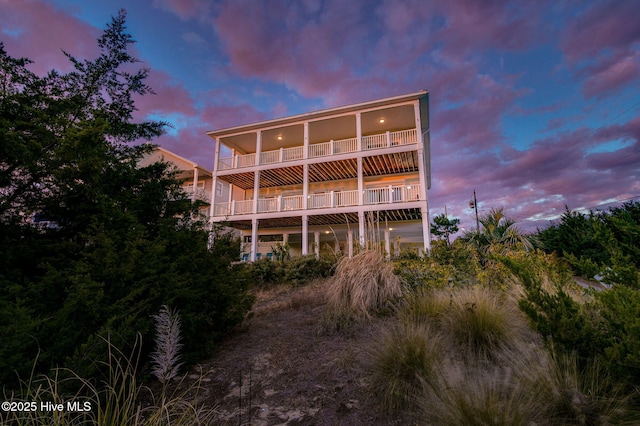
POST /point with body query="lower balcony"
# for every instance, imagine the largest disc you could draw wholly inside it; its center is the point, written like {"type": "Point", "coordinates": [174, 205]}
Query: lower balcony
{"type": "Point", "coordinates": [325, 200]}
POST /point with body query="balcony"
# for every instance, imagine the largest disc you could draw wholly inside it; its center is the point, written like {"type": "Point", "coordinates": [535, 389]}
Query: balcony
{"type": "Point", "coordinates": [326, 200]}
{"type": "Point", "coordinates": [200, 194]}
{"type": "Point", "coordinates": [324, 149]}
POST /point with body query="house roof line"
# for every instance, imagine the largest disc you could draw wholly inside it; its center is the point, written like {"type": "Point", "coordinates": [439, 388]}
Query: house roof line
{"type": "Point", "coordinates": [318, 114]}
{"type": "Point", "coordinates": [195, 165]}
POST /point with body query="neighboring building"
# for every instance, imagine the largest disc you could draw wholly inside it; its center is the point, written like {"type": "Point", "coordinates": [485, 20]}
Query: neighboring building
{"type": "Point", "coordinates": [197, 181]}
{"type": "Point", "coordinates": [345, 175]}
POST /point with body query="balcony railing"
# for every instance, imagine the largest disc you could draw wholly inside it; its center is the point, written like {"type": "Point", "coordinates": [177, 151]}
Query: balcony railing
{"type": "Point", "coordinates": [324, 149]}
{"type": "Point", "coordinates": [200, 194]}
{"type": "Point", "coordinates": [325, 200]}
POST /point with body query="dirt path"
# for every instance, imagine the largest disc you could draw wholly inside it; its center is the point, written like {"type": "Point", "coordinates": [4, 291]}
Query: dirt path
{"type": "Point", "coordinates": [278, 370]}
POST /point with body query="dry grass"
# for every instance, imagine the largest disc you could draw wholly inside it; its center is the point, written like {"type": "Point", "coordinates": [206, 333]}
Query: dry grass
{"type": "Point", "coordinates": [363, 284]}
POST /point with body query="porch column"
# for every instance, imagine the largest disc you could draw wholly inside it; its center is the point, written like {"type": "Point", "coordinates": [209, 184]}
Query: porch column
{"type": "Point", "coordinates": [254, 239]}
{"type": "Point", "coordinates": [426, 230]}
{"type": "Point", "coordinates": [360, 183]}
{"type": "Point", "coordinates": [350, 243]}
{"type": "Point", "coordinates": [215, 180]}
{"type": "Point", "coordinates": [195, 184]}
{"type": "Point", "coordinates": [387, 243]}
{"type": "Point", "coordinates": [316, 240]}
{"type": "Point", "coordinates": [214, 183]}
{"type": "Point", "coordinates": [361, 229]}
{"type": "Point", "coordinates": [285, 238]}
{"type": "Point", "coordinates": [359, 131]}
{"type": "Point", "coordinates": [305, 187]}
{"type": "Point", "coordinates": [336, 245]}
{"type": "Point", "coordinates": [256, 176]}
{"type": "Point", "coordinates": [305, 235]}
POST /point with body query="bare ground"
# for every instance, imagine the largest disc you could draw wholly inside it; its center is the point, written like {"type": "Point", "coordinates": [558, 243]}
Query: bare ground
{"type": "Point", "coordinates": [279, 369]}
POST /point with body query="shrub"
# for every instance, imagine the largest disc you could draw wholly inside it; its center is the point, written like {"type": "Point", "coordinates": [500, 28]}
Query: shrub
{"type": "Point", "coordinates": [363, 284]}
{"type": "Point", "coordinates": [302, 270]}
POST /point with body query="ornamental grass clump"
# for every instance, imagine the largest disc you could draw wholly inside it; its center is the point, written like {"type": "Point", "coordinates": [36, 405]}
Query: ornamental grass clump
{"type": "Point", "coordinates": [404, 360]}
{"type": "Point", "coordinates": [481, 321]}
{"type": "Point", "coordinates": [363, 284]}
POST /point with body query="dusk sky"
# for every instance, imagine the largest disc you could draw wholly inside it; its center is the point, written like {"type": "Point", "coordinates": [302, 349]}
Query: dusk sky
{"type": "Point", "coordinates": [534, 104]}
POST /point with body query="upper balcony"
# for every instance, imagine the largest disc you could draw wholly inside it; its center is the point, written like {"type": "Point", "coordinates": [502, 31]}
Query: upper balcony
{"type": "Point", "coordinates": [326, 200]}
{"type": "Point", "coordinates": [323, 149]}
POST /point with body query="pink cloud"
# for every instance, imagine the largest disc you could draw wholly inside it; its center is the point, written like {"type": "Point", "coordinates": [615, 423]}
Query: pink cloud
{"type": "Point", "coordinates": [43, 44]}
{"type": "Point", "coordinates": [601, 45]}
{"type": "Point", "coordinates": [185, 9]}
{"type": "Point", "coordinates": [603, 25]}
{"type": "Point", "coordinates": [614, 76]}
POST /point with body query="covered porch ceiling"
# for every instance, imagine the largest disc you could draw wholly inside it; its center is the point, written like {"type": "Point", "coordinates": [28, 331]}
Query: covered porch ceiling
{"type": "Point", "coordinates": [351, 219]}
{"type": "Point", "coordinates": [375, 165]}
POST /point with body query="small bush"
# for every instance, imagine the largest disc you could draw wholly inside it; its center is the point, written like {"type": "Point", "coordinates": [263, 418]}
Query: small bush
{"type": "Point", "coordinates": [302, 270]}
{"type": "Point", "coordinates": [363, 284]}
{"type": "Point", "coordinates": [402, 362]}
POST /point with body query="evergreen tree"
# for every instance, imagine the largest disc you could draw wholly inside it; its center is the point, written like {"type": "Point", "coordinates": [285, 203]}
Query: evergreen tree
{"type": "Point", "coordinates": [124, 243]}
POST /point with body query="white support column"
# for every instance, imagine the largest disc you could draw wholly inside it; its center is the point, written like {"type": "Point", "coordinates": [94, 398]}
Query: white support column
{"type": "Point", "coordinates": [316, 243]}
{"type": "Point", "coordinates": [426, 231]}
{"type": "Point", "coordinates": [350, 243]}
{"type": "Point", "coordinates": [254, 239]}
{"type": "Point", "coordinates": [285, 238]}
{"type": "Point", "coordinates": [305, 141]}
{"type": "Point", "coordinates": [256, 176]}
{"type": "Point", "coordinates": [305, 235]}
{"type": "Point", "coordinates": [215, 180]}
{"type": "Point", "coordinates": [359, 131]}
{"type": "Point", "coordinates": [194, 196]}
{"type": "Point", "coordinates": [336, 245]}
{"type": "Point", "coordinates": [387, 243]}
{"type": "Point", "coordinates": [361, 229]}
{"type": "Point", "coordinates": [305, 186]}
{"type": "Point", "coordinates": [360, 183]}
{"type": "Point", "coordinates": [214, 183]}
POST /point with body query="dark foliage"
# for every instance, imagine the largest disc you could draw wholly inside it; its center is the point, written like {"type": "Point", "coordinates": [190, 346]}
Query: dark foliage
{"type": "Point", "coordinates": [605, 243]}
{"type": "Point", "coordinates": [120, 240]}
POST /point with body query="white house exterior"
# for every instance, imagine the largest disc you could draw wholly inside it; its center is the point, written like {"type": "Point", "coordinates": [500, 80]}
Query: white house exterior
{"type": "Point", "coordinates": [328, 179]}
{"type": "Point", "coordinates": [197, 181]}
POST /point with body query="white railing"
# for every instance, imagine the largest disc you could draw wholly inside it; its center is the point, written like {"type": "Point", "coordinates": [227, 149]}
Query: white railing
{"type": "Point", "coordinates": [246, 160]}
{"type": "Point", "coordinates": [225, 163]}
{"type": "Point", "coordinates": [320, 149]}
{"type": "Point", "coordinates": [374, 142]}
{"type": "Point", "coordinates": [266, 205]}
{"type": "Point", "coordinates": [243, 207]}
{"type": "Point", "coordinates": [201, 194]}
{"type": "Point", "coordinates": [292, 202]}
{"type": "Point", "coordinates": [403, 137]}
{"type": "Point", "coordinates": [270, 157]}
{"type": "Point", "coordinates": [333, 199]}
{"type": "Point", "coordinates": [222, 209]}
{"type": "Point", "coordinates": [392, 194]}
{"type": "Point", "coordinates": [320, 201]}
{"type": "Point", "coordinates": [343, 146]}
{"type": "Point", "coordinates": [294, 153]}
{"type": "Point", "coordinates": [346, 198]}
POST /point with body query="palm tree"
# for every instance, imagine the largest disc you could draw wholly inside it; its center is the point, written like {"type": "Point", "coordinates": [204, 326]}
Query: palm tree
{"type": "Point", "coordinates": [498, 234]}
